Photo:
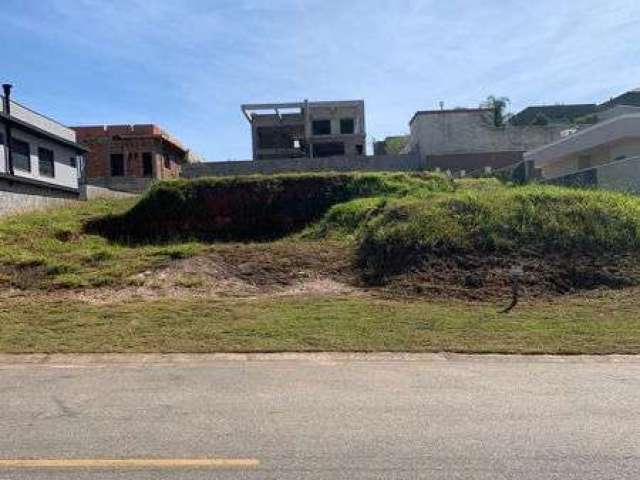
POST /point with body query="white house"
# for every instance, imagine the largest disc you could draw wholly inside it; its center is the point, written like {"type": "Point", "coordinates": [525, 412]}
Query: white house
{"type": "Point", "coordinates": [606, 154]}
{"type": "Point", "coordinates": [40, 164]}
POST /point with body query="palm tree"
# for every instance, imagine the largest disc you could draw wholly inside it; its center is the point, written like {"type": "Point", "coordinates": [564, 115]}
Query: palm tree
{"type": "Point", "coordinates": [498, 105]}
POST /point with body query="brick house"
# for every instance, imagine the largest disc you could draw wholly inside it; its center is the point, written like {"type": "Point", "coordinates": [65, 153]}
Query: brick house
{"type": "Point", "coordinates": [130, 157]}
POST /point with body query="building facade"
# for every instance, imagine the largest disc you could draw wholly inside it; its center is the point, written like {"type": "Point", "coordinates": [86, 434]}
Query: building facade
{"type": "Point", "coordinates": [40, 160]}
{"type": "Point", "coordinates": [605, 155]}
{"type": "Point", "coordinates": [130, 157]}
{"type": "Point", "coordinates": [468, 139]}
{"type": "Point", "coordinates": [307, 129]}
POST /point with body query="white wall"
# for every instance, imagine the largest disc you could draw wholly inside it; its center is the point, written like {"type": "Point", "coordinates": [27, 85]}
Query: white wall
{"type": "Point", "coordinates": [602, 143]}
{"type": "Point", "coordinates": [65, 175]}
{"type": "Point", "coordinates": [628, 147]}
{"type": "Point", "coordinates": [598, 156]}
{"type": "Point", "coordinates": [472, 131]}
{"type": "Point", "coordinates": [622, 175]}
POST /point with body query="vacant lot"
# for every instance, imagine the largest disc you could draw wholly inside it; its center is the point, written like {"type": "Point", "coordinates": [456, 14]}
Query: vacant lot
{"type": "Point", "coordinates": [367, 262]}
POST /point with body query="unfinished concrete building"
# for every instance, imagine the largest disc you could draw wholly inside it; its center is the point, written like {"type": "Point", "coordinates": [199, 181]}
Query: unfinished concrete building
{"type": "Point", "coordinates": [307, 129]}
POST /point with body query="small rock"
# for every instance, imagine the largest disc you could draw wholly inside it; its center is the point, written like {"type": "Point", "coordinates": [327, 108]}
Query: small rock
{"type": "Point", "coordinates": [473, 280]}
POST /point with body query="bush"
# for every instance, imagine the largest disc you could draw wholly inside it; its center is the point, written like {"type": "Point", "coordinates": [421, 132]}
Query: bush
{"type": "Point", "coordinates": [252, 208]}
{"type": "Point", "coordinates": [534, 219]}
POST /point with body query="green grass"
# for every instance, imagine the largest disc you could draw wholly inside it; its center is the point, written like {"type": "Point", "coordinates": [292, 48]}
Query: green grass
{"type": "Point", "coordinates": [511, 220]}
{"type": "Point", "coordinates": [484, 215]}
{"type": "Point", "coordinates": [587, 326]}
{"type": "Point", "coordinates": [393, 219]}
{"type": "Point", "coordinates": [253, 207]}
{"type": "Point", "coordinates": [50, 249]}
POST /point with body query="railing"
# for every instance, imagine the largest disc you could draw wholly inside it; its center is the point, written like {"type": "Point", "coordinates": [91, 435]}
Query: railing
{"type": "Point", "coordinates": [621, 174]}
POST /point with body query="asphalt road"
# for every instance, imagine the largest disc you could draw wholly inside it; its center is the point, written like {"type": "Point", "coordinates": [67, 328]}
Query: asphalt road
{"type": "Point", "coordinates": [319, 416]}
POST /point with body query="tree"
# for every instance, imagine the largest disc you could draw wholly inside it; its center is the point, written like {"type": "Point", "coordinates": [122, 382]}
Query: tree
{"type": "Point", "coordinates": [396, 144]}
{"type": "Point", "coordinates": [498, 105]}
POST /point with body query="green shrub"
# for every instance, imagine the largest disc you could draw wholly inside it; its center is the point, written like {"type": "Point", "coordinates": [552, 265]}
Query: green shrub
{"type": "Point", "coordinates": [346, 219]}
{"type": "Point", "coordinates": [254, 207]}
{"type": "Point", "coordinates": [507, 220]}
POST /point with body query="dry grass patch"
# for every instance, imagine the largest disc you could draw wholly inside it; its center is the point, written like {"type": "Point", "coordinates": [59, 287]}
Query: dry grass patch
{"type": "Point", "coordinates": [600, 323]}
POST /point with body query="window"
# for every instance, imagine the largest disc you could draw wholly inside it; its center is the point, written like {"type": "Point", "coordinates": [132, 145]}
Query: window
{"type": "Point", "coordinates": [278, 137]}
{"type": "Point", "coordinates": [21, 155]}
{"type": "Point", "coordinates": [359, 149]}
{"type": "Point", "coordinates": [328, 149]}
{"type": "Point", "coordinates": [46, 166]}
{"type": "Point", "coordinates": [322, 127]}
{"type": "Point", "coordinates": [347, 126]}
{"type": "Point", "coordinates": [73, 162]}
{"type": "Point", "coordinates": [147, 164]}
{"type": "Point", "coordinates": [117, 165]}
{"type": "Point", "coordinates": [167, 162]}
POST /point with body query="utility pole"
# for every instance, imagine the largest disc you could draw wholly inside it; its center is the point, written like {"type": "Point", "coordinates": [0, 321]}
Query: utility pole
{"type": "Point", "coordinates": [6, 89]}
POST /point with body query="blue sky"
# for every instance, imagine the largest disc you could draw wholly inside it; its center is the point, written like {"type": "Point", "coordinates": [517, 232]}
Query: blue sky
{"type": "Point", "coordinates": [189, 64]}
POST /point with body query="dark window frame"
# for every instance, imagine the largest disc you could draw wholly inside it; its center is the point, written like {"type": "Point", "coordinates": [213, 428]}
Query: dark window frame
{"type": "Point", "coordinates": [317, 130]}
{"type": "Point", "coordinates": [147, 161]}
{"type": "Point", "coordinates": [46, 162]}
{"type": "Point", "coordinates": [329, 149]}
{"type": "Point", "coordinates": [351, 123]}
{"type": "Point", "coordinates": [112, 168]}
{"type": "Point", "coordinates": [17, 156]}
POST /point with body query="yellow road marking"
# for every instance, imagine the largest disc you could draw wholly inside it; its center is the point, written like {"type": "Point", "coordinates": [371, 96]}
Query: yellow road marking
{"type": "Point", "coordinates": [124, 463]}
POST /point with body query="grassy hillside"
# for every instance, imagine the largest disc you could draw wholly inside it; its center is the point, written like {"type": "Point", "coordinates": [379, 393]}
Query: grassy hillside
{"type": "Point", "coordinates": [254, 207]}
{"type": "Point", "coordinates": [50, 249]}
{"type": "Point", "coordinates": [392, 220]}
{"type": "Point", "coordinates": [361, 262]}
{"type": "Point", "coordinates": [528, 220]}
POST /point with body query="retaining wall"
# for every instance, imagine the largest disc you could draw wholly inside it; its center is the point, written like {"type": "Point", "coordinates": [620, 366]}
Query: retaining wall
{"type": "Point", "coordinates": [18, 197]}
{"type": "Point", "coordinates": [409, 162]}
{"type": "Point", "coordinates": [91, 192]}
{"type": "Point", "coordinates": [122, 184]}
{"type": "Point", "coordinates": [621, 175]}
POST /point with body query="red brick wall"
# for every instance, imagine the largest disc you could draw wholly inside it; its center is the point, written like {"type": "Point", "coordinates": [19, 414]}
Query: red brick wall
{"type": "Point", "coordinates": [103, 142]}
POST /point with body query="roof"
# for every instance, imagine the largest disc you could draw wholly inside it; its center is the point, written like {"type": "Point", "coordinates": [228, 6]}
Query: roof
{"type": "Point", "coordinates": [617, 128]}
{"type": "Point", "coordinates": [631, 98]}
{"type": "Point", "coordinates": [552, 113]}
{"type": "Point", "coordinates": [39, 120]}
{"type": "Point", "coordinates": [454, 110]}
{"type": "Point", "coordinates": [249, 109]}
{"type": "Point", "coordinates": [39, 132]}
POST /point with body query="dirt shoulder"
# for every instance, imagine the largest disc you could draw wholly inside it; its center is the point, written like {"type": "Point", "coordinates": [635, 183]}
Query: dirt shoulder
{"type": "Point", "coordinates": [256, 270]}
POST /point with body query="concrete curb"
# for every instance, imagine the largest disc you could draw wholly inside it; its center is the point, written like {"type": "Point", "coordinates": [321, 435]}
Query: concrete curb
{"type": "Point", "coordinates": [179, 359]}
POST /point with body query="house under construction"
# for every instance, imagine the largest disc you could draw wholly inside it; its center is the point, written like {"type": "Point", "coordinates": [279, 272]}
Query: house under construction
{"type": "Point", "coordinates": [307, 129]}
